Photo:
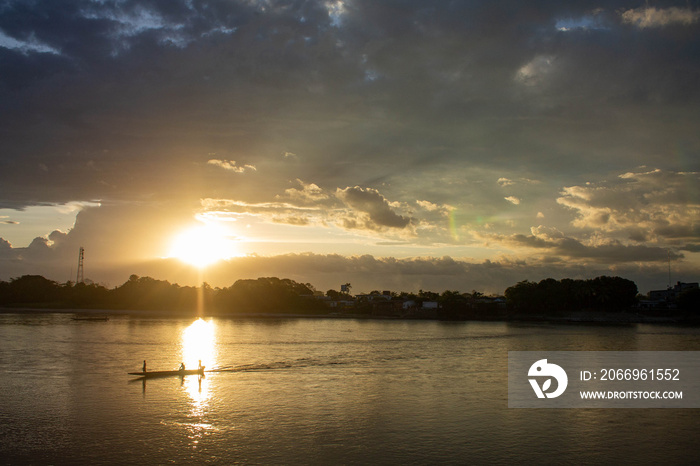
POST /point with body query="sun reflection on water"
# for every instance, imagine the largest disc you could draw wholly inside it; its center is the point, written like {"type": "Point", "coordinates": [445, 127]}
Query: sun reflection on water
{"type": "Point", "coordinates": [198, 390]}
{"type": "Point", "coordinates": [198, 346]}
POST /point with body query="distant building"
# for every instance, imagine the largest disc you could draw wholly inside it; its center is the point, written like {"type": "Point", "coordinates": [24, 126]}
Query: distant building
{"type": "Point", "coordinates": [672, 293]}
{"type": "Point", "coordinates": [372, 297]}
{"type": "Point", "coordinates": [341, 304]}
{"type": "Point", "coordinates": [681, 287]}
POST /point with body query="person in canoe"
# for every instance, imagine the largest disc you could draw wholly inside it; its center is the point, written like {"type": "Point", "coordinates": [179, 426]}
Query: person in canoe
{"type": "Point", "coordinates": [144, 365]}
{"type": "Point", "coordinates": [182, 366]}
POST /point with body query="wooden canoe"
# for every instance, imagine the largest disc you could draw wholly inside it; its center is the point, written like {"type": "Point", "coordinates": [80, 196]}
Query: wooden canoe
{"type": "Point", "coordinates": [154, 374]}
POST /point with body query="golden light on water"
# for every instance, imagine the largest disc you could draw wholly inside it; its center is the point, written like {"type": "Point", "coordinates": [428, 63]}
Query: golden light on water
{"type": "Point", "coordinates": [199, 343]}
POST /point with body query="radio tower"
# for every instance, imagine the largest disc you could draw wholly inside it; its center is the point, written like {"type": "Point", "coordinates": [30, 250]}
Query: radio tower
{"type": "Point", "coordinates": [80, 278]}
{"type": "Point", "coordinates": [669, 269]}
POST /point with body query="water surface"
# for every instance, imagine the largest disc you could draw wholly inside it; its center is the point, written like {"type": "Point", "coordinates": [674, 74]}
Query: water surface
{"type": "Point", "coordinates": [312, 391]}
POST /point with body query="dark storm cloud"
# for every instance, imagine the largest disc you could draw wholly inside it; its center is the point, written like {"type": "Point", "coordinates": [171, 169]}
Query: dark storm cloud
{"type": "Point", "coordinates": [122, 88]}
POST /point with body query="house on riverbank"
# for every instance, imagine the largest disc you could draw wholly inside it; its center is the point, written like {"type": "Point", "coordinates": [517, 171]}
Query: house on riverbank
{"type": "Point", "coordinates": [668, 298]}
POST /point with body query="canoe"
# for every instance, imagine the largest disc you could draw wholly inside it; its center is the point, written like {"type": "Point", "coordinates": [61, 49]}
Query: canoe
{"type": "Point", "coordinates": [154, 374]}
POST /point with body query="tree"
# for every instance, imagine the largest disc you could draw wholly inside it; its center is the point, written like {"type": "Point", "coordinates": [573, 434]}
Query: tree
{"type": "Point", "coordinates": [428, 295]}
{"type": "Point", "coordinates": [29, 289]}
{"type": "Point", "coordinates": [267, 294]}
{"type": "Point", "coordinates": [85, 295]}
{"type": "Point", "coordinates": [552, 296]}
{"type": "Point", "coordinates": [613, 293]}
{"type": "Point", "coordinates": [451, 296]}
{"type": "Point", "coordinates": [151, 294]}
{"type": "Point", "coordinates": [335, 295]}
{"type": "Point", "coordinates": [521, 296]}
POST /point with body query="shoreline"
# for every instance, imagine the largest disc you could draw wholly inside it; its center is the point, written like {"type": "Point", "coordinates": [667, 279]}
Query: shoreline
{"type": "Point", "coordinates": [576, 318]}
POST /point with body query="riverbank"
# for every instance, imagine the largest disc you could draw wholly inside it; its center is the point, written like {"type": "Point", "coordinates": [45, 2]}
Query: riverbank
{"type": "Point", "coordinates": [571, 318]}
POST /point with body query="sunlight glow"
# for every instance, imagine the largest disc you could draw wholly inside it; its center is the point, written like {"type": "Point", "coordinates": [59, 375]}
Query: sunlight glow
{"type": "Point", "coordinates": [203, 245]}
{"type": "Point", "coordinates": [198, 343]}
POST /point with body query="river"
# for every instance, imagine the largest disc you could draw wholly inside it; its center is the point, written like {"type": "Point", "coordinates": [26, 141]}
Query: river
{"type": "Point", "coordinates": [313, 391]}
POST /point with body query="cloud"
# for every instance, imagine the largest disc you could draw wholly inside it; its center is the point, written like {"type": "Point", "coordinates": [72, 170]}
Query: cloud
{"type": "Point", "coordinates": [353, 208]}
{"type": "Point", "coordinates": [307, 194]}
{"type": "Point", "coordinates": [652, 17]}
{"type": "Point", "coordinates": [432, 207]}
{"type": "Point", "coordinates": [371, 210]}
{"type": "Point", "coordinates": [503, 182]}
{"type": "Point", "coordinates": [536, 71]}
{"type": "Point", "coordinates": [365, 272]}
{"type": "Point", "coordinates": [411, 124]}
{"type": "Point", "coordinates": [593, 20]}
{"type": "Point", "coordinates": [565, 248]}
{"type": "Point", "coordinates": [305, 205]}
{"type": "Point", "coordinates": [658, 202]}
{"type": "Point", "coordinates": [231, 165]}
{"type": "Point", "coordinates": [251, 82]}
{"type": "Point", "coordinates": [222, 208]}
{"type": "Point", "coordinates": [29, 45]}
{"type": "Point", "coordinates": [363, 211]}
{"type": "Point", "coordinates": [116, 236]}
{"type": "Point", "coordinates": [603, 207]}
{"type": "Point", "coordinates": [292, 220]}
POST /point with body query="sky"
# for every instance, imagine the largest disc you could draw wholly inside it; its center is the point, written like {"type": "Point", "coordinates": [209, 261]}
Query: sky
{"type": "Point", "coordinates": [402, 145]}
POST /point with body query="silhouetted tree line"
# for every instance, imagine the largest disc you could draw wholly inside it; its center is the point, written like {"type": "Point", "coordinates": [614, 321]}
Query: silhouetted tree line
{"type": "Point", "coordinates": [268, 295]}
{"type": "Point", "coordinates": [275, 295]}
{"type": "Point", "coordinates": [453, 305]}
{"type": "Point", "coordinates": [611, 294]}
{"type": "Point", "coordinates": [146, 293]}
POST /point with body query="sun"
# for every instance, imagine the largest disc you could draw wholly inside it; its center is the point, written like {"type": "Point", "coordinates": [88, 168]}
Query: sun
{"type": "Point", "coordinates": [203, 245]}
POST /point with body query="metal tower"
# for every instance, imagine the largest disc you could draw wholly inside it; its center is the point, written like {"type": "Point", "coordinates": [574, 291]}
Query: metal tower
{"type": "Point", "coordinates": [80, 278]}
{"type": "Point", "coordinates": [669, 269]}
